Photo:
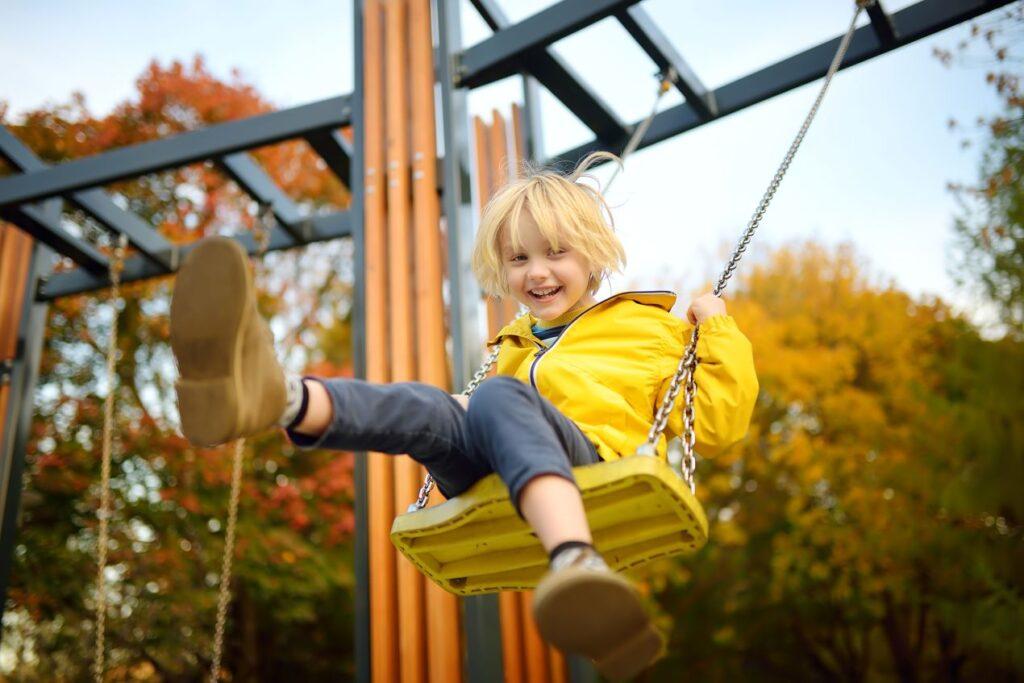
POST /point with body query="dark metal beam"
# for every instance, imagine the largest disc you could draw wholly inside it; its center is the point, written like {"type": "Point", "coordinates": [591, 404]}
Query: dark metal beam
{"type": "Point", "coordinates": [17, 425]}
{"type": "Point", "coordinates": [501, 54]}
{"type": "Point", "coordinates": [361, 545]}
{"type": "Point", "coordinates": [209, 143]}
{"type": "Point", "coordinates": [141, 235]}
{"type": "Point", "coordinates": [95, 203]}
{"type": "Point", "coordinates": [321, 228]}
{"type": "Point", "coordinates": [660, 49]}
{"type": "Point", "coordinates": [45, 227]}
{"type": "Point", "coordinates": [336, 151]}
{"type": "Point", "coordinates": [244, 170]}
{"type": "Point", "coordinates": [555, 74]}
{"type": "Point", "coordinates": [882, 24]}
{"type": "Point", "coordinates": [911, 24]}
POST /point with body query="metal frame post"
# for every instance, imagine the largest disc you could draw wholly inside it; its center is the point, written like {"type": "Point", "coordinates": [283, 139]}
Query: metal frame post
{"type": "Point", "coordinates": [481, 616]}
{"type": "Point", "coordinates": [361, 551]}
{"type": "Point", "coordinates": [24, 374]}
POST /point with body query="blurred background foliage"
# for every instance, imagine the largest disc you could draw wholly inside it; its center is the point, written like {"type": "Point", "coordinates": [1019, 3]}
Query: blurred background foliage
{"type": "Point", "coordinates": [869, 527]}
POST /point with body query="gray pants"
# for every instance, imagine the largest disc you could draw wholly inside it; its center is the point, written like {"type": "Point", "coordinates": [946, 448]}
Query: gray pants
{"type": "Point", "coordinates": [509, 429]}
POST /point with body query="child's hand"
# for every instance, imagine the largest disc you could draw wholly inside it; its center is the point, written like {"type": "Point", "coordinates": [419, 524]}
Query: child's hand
{"type": "Point", "coordinates": [703, 307]}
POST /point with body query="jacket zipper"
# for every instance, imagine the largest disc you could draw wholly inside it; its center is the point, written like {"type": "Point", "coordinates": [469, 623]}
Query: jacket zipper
{"type": "Point", "coordinates": [545, 349]}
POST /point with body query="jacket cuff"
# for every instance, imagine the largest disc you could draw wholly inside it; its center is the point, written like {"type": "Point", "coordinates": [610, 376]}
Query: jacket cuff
{"type": "Point", "coordinates": [718, 322]}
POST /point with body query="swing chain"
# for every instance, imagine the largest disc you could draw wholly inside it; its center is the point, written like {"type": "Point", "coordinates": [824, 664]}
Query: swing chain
{"type": "Point", "coordinates": [261, 235]}
{"type": "Point", "coordinates": [665, 80]}
{"type": "Point", "coordinates": [261, 226]}
{"type": "Point", "coordinates": [688, 365]}
{"type": "Point", "coordinates": [478, 377]}
{"type": "Point", "coordinates": [115, 270]}
{"type": "Point", "coordinates": [224, 591]}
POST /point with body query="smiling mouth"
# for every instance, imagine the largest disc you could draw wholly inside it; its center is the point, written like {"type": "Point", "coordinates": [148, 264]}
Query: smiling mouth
{"type": "Point", "coordinates": [545, 294]}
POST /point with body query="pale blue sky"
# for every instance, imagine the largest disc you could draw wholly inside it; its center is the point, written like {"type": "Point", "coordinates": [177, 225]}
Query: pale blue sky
{"type": "Point", "coordinates": [873, 169]}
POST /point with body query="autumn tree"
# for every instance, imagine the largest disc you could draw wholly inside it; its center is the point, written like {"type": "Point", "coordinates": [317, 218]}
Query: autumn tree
{"type": "Point", "coordinates": [868, 526]}
{"type": "Point", "coordinates": [990, 227]}
{"type": "Point", "coordinates": [292, 611]}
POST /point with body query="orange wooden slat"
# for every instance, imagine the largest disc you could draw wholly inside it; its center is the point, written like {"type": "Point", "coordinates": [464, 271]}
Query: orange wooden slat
{"type": "Point", "coordinates": [497, 143]}
{"type": "Point", "coordinates": [534, 648]}
{"type": "Point", "coordinates": [518, 141]}
{"type": "Point", "coordinates": [444, 652]}
{"type": "Point", "coordinates": [482, 153]}
{"type": "Point", "coordinates": [15, 255]}
{"type": "Point", "coordinates": [412, 619]}
{"type": "Point", "coordinates": [556, 666]}
{"type": "Point", "coordinates": [380, 468]}
{"type": "Point", "coordinates": [511, 637]}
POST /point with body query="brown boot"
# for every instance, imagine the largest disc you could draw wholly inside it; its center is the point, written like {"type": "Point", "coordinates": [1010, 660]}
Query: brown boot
{"type": "Point", "coordinates": [583, 607]}
{"type": "Point", "coordinates": [231, 384]}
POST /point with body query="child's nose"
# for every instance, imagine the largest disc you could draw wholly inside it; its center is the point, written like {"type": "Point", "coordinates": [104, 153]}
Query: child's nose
{"type": "Point", "coordinates": [538, 270]}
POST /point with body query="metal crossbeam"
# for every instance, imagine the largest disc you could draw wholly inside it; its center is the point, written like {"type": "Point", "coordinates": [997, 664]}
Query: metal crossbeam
{"type": "Point", "coordinates": [500, 55]}
{"type": "Point", "coordinates": [321, 228]}
{"type": "Point", "coordinates": [254, 180]}
{"type": "Point", "coordinates": [555, 74]}
{"type": "Point", "coordinates": [660, 49]}
{"type": "Point", "coordinates": [209, 143]}
{"type": "Point", "coordinates": [95, 203]}
{"type": "Point", "coordinates": [910, 24]}
{"type": "Point", "coordinates": [336, 151]}
{"type": "Point", "coordinates": [46, 227]}
{"type": "Point", "coordinates": [882, 24]}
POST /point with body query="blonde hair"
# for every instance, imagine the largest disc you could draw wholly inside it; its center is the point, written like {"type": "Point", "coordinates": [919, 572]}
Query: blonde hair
{"type": "Point", "coordinates": [563, 209]}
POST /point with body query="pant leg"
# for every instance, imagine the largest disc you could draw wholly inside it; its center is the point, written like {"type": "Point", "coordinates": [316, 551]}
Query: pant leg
{"type": "Point", "coordinates": [522, 435]}
{"type": "Point", "coordinates": [403, 417]}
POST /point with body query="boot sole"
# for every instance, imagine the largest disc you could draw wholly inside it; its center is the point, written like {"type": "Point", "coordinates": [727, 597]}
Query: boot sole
{"type": "Point", "coordinates": [599, 616]}
{"type": "Point", "coordinates": [209, 311]}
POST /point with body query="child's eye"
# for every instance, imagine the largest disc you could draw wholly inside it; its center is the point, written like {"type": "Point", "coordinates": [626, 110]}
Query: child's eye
{"type": "Point", "coordinates": [518, 257]}
{"type": "Point", "coordinates": [557, 252]}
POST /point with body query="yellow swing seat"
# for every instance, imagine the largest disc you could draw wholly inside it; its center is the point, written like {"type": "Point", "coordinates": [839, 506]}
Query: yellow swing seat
{"type": "Point", "coordinates": [639, 509]}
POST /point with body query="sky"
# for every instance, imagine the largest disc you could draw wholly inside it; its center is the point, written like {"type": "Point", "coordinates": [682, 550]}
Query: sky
{"type": "Point", "coordinates": [872, 171]}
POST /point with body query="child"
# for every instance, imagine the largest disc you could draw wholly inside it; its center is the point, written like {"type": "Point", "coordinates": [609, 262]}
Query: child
{"type": "Point", "coordinates": [578, 382]}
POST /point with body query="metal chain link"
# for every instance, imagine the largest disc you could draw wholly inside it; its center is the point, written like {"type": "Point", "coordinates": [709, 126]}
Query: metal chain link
{"type": "Point", "coordinates": [224, 591]}
{"type": "Point", "coordinates": [688, 364]}
{"type": "Point", "coordinates": [478, 377]}
{"type": "Point", "coordinates": [99, 661]}
{"type": "Point", "coordinates": [261, 230]}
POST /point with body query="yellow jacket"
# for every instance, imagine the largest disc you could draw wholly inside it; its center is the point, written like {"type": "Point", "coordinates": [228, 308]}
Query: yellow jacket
{"type": "Point", "coordinates": [610, 368]}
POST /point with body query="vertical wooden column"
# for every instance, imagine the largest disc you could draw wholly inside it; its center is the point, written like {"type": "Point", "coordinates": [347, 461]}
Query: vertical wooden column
{"type": "Point", "coordinates": [503, 168]}
{"type": "Point", "coordinates": [380, 468]}
{"type": "Point", "coordinates": [411, 624]}
{"type": "Point", "coordinates": [15, 258]}
{"type": "Point", "coordinates": [527, 659]}
{"type": "Point", "coordinates": [442, 609]}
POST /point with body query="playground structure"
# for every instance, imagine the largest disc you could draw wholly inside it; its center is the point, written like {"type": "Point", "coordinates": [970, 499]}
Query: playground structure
{"type": "Point", "coordinates": [399, 196]}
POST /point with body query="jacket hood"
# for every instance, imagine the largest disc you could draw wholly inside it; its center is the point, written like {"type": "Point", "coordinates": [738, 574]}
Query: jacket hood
{"type": "Point", "coordinates": [520, 327]}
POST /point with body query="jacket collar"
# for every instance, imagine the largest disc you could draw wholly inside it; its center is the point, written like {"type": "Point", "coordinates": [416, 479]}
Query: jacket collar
{"type": "Point", "coordinates": [520, 327]}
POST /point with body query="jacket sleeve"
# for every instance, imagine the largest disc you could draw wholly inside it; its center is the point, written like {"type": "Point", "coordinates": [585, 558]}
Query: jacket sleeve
{"type": "Point", "coordinates": [726, 384]}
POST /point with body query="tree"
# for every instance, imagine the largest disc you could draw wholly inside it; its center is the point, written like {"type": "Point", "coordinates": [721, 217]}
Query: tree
{"type": "Point", "coordinates": [293, 561]}
{"type": "Point", "coordinates": [864, 529]}
{"type": "Point", "coordinates": [990, 229]}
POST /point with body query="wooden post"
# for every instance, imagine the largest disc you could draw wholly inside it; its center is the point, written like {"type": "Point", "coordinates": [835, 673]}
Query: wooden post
{"type": "Point", "coordinates": [380, 474]}
{"type": "Point", "coordinates": [444, 660]}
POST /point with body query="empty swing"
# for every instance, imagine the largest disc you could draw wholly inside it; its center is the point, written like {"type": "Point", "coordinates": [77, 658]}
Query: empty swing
{"type": "Point", "coordinates": [639, 508]}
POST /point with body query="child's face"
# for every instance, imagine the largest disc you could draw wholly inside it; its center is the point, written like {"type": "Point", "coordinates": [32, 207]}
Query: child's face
{"type": "Point", "coordinates": [547, 282]}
